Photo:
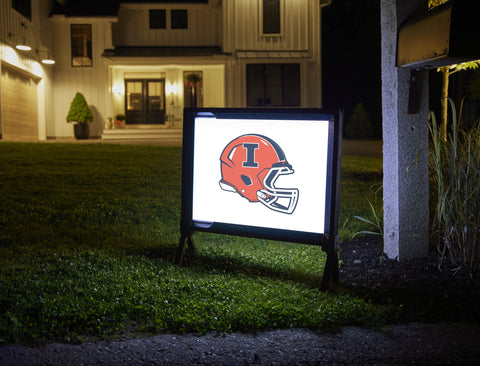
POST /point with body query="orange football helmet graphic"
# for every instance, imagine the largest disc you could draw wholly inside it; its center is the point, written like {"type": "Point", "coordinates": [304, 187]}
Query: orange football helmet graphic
{"type": "Point", "coordinates": [250, 166]}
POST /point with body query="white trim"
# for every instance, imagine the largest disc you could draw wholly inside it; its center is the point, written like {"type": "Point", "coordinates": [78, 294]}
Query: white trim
{"type": "Point", "coordinates": [282, 21]}
{"type": "Point", "coordinates": [83, 20]}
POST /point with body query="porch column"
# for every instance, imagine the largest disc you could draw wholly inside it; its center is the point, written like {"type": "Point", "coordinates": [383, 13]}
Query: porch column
{"type": "Point", "coordinates": [405, 136]}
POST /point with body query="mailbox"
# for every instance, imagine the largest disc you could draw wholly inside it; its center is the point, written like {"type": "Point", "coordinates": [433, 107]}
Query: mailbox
{"type": "Point", "coordinates": [446, 35]}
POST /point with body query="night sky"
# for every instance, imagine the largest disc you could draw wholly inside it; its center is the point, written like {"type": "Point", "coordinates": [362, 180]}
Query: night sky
{"type": "Point", "coordinates": [351, 58]}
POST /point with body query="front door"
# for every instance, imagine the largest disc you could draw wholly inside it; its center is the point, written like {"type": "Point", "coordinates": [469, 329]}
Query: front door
{"type": "Point", "coordinates": [145, 101]}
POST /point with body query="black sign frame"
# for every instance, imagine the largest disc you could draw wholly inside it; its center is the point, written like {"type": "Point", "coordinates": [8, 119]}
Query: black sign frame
{"type": "Point", "coordinates": [327, 240]}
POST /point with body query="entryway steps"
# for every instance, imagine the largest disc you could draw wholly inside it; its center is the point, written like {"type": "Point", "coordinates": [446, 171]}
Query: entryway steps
{"type": "Point", "coordinates": [173, 134]}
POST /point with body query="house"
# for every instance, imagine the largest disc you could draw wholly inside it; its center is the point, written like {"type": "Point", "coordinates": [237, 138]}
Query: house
{"type": "Point", "coordinates": [147, 60]}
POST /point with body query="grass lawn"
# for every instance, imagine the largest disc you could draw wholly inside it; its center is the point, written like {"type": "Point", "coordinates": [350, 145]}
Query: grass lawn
{"type": "Point", "coordinates": [88, 234]}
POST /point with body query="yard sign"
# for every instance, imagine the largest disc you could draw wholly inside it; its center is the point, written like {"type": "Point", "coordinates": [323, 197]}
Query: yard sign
{"type": "Point", "coordinates": [263, 173]}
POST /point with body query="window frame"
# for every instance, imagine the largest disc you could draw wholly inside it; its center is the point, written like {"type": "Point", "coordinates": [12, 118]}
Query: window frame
{"type": "Point", "coordinates": [281, 10]}
{"type": "Point", "coordinates": [154, 14]}
{"type": "Point", "coordinates": [89, 46]}
{"type": "Point", "coordinates": [178, 11]}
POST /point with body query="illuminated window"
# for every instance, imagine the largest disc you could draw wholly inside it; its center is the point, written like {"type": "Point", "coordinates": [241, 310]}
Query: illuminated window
{"type": "Point", "coordinates": [81, 45]}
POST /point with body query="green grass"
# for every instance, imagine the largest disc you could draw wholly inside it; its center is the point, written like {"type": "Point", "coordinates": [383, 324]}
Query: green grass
{"type": "Point", "coordinates": [88, 234]}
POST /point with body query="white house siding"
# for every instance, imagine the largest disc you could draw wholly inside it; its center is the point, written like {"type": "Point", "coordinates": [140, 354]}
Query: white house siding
{"type": "Point", "coordinates": [242, 29]}
{"type": "Point", "coordinates": [300, 25]}
{"type": "Point", "coordinates": [35, 32]}
{"type": "Point", "coordinates": [91, 81]}
{"type": "Point", "coordinates": [214, 87]}
{"type": "Point", "coordinates": [133, 28]}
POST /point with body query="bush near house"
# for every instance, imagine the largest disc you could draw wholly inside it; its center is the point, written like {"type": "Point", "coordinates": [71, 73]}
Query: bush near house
{"type": "Point", "coordinates": [359, 126]}
{"type": "Point", "coordinates": [79, 110]}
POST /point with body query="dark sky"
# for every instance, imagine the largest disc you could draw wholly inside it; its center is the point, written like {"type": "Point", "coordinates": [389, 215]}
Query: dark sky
{"type": "Point", "coordinates": [351, 57]}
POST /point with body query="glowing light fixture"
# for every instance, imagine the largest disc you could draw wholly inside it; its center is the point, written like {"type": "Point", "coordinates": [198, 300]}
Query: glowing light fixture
{"type": "Point", "coordinates": [172, 89]}
{"type": "Point", "coordinates": [47, 60]}
{"type": "Point", "coordinates": [23, 46]}
{"type": "Point", "coordinates": [118, 89]}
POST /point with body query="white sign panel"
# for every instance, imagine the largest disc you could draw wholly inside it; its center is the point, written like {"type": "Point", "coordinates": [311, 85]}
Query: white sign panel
{"type": "Point", "coordinates": [269, 173]}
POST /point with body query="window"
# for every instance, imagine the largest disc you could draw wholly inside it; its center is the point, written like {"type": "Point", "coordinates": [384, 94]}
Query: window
{"type": "Point", "coordinates": [81, 45]}
{"type": "Point", "coordinates": [273, 85]}
{"type": "Point", "coordinates": [158, 19]}
{"type": "Point", "coordinates": [271, 17]}
{"type": "Point", "coordinates": [179, 19]}
{"type": "Point", "coordinates": [24, 7]}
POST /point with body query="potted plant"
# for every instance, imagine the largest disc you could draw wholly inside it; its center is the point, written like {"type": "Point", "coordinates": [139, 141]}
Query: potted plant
{"type": "Point", "coordinates": [120, 121]}
{"type": "Point", "coordinates": [81, 115]}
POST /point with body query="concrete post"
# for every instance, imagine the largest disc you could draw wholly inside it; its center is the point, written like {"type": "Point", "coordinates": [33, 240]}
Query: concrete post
{"type": "Point", "coordinates": [405, 137]}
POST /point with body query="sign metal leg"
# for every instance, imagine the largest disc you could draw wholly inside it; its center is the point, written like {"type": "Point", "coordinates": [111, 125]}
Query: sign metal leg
{"type": "Point", "coordinates": [185, 242]}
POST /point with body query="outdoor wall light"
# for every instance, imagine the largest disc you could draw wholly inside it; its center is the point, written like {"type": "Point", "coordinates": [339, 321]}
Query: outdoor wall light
{"type": "Point", "coordinates": [118, 89]}
{"type": "Point", "coordinates": [22, 44]}
{"type": "Point", "coordinates": [172, 89]}
{"type": "Point", "coordinates": [23, 47]}
{"type": "Point", "coordinates": [47, 60]}
{"type": "Point", "coordinates": [19, 45]}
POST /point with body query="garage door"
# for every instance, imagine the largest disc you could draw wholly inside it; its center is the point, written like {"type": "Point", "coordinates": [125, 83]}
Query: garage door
{"type": "Point", "coordinates": [19, 105]}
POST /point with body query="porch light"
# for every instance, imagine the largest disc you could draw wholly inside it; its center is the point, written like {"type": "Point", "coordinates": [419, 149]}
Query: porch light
{"type": "Point", "coordinates": [118, 89]}
{"type": "Point", "coordinates": [47, 60]}
{"type": "Point", "coordinates": [172, 89]}
{"type": "Point", "coordinates": [22, 44]}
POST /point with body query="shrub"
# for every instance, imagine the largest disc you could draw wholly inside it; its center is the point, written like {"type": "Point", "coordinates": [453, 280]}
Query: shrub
{"type": "Point", "coordinates": [455, 181]}
{"type": "Point", "coordinates": [359, 125]}
{"type": "Point", "coordinates": [79, 110]}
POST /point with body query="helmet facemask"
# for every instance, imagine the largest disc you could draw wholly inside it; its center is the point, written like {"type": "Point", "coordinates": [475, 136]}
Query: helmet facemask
{"type": "Point", "coordinates": [278, 199]}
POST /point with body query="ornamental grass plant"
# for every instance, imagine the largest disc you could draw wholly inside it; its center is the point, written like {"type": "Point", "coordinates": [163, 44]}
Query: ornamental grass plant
{"type": "Point", "coordinates": [455, 186]}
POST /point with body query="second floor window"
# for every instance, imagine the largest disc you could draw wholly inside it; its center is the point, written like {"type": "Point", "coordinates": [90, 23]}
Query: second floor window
{"type": "Point", "coordinates": [179, 19]}
{"type": "Point", "coordinates": [271, 17]}
{"type": "Point", "coordinates": [158, 19]}
{"type": "Point", "coordinates": [81, 39]}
